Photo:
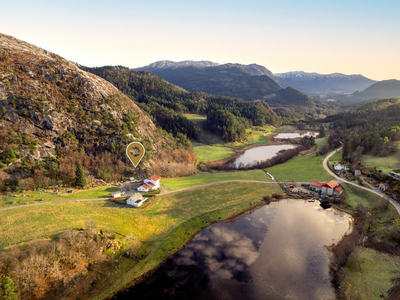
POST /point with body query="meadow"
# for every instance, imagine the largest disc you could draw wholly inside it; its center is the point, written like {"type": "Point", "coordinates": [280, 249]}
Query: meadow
{"type": "Point", "coordinates": [31, 197]}
{"type": "Point", "coordinates": [161, 216]}
{"type": "Point", "coordinates": [203, 178]}
{"type": "Point", "coordinates": [369, 273]}
{"type": "Point", "coordinates": [301, 169]}
{"type": "Point", "coordinates": [385, 164]}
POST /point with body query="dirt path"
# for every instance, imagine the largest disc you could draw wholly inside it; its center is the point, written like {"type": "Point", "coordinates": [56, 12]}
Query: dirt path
{"type": "Point", "coordinates": [326, 167]}
{"type": "Point", "coordinates": [52, 202]}
{"type": "Point", "coordinates": [165, 192]}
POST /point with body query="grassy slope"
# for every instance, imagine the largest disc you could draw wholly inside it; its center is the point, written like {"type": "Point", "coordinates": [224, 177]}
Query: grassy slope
{"type": "Point", "coordinates": [203, 178]}
{"type": "Point", "coordinates": [369, 273]}
{"type": "Point", "coordinates": [321, 142]}
{"type": "Point", "coordinates": [210, 152]}
{"type": "Point", "coordinates": [301, 169]}
{"type": "Point", "coordinates": [165, 225]}
{"type": "Point", "coordinates": [334, 158]}
{"type": "Point", "coordinates": [35, 196]}
{"type": "Point", "coordinates": [385, 164]}
{"type": "Point", "coordinates": [159, 217]}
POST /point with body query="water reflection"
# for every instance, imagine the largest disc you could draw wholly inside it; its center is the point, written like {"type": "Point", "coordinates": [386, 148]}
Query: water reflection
{"type": "Point", "coordinates": [277, 252]}
{"type": "Point", "coordinates": [260, 153]}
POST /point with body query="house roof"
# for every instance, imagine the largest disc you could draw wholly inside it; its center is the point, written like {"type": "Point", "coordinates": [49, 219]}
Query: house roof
{"type": "Point", "coordinates": [150, 184]}
{"type": "Point", "coordinates": [145, 186]}
{"type": "Point", "coordinates": [314, 183]}
{"type": "Point", "coordinates": [136, 196]}
{"type": "Point", "coordinates": [338, 188]}
{"type": "Point", "coordinates": [154, 178]}
{"type": "Point", "coordinates": [332, 184]}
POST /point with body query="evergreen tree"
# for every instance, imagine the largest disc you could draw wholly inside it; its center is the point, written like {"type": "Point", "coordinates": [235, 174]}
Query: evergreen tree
{"type": "Point", "coordinates": [7, 289]}
{"type": "Point", "coordinates": [321, 131]}
{"type": "Point", "coordinates": [346, 154]}
{"type": "Point", "coordinates": [80, 179]}
{"type": "Point", "coordinates": [8, 155]}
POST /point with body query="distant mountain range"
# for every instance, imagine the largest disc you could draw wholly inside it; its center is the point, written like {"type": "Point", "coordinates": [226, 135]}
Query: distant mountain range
{"type": "Point", "coordinates": [317, 84]}
{"type": "Point", "coordinates": [244, 81]}
{"type": "Point", "coordinates": [253, 81]}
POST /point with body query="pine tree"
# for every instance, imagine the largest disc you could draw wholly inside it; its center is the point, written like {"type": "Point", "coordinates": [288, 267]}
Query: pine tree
{"type": "Point", "coordinates": [321, 131]}
{"type": "Point", "coordinates": [7, 289]}
{"type": "Point", "coordinates": [80, 179]}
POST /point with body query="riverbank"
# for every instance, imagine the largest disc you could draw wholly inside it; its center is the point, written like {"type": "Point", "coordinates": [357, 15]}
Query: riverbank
{"type": "Point", "coordinates": [177, 239]}
{"type": "Point", "coordinates": [365, 261]}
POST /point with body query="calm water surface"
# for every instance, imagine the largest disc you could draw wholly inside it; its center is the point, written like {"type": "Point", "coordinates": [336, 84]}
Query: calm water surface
{"type": "Point", "coordinates": [260, 153]}
{"type": "Point", "coordinates": [294, 135]}
{"type": "Point", "coordinates": [276, 252]}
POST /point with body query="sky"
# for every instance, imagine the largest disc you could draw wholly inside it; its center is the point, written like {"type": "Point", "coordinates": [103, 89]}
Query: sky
{"type": "Point", "coordinates": [344, 36]}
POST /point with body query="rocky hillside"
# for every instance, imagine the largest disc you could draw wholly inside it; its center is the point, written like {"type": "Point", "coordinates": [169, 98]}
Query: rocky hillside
{"type": "Point", "coordinates": [53, 114]}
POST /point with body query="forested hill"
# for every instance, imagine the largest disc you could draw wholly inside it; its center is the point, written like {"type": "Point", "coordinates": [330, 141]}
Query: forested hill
{"type": "Point", "coordinates": [381, 89]}
{"type": "Point", "coordinates": [373, 128]}
{"type": "Point", "coordinates": [248, 82]}
{"type": "Point", "coordinates": [166, 103]}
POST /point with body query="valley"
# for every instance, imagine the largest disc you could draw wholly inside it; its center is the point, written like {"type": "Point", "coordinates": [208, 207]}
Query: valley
{"type": "Point", "coordinates": [208, 133]}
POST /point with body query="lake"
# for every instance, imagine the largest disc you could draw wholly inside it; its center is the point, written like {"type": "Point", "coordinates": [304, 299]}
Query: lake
{"type": "Point", "coordinates": [275, 252]}
{"type": "Point", "coordinates": [294, 135]}
{"type": "Point", "coordinates": [260, 153]}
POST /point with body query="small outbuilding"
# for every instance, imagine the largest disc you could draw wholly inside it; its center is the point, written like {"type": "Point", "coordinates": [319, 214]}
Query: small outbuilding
{"type": "Point", "coordinates": [135, 200]}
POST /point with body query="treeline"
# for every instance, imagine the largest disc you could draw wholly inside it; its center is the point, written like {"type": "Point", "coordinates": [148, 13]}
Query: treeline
{"type": "Point", "coordinates": [166, 104]}
{"type": "Point", "coordinates": [283, 156]}
{"type": "Point", "coordinates": [373, 128]}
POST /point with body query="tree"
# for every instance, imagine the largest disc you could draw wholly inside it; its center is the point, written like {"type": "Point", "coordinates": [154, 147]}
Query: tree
{"type": "Point", "coordinates": [7, 289]}
{"type": "Point", "coordinates": [80, 178]}
{"type": "Point", "coordinates": [321, 131]}
{"type": "Point", "coordinates": [346, 155]}
{"type": "Point", "coordinates": [8, 155]}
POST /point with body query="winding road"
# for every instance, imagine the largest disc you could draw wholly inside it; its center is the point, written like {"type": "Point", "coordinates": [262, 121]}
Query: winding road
{"type": "Point", "coordinates": [395, 204]}
{"type": "Point", "coordinates": [166, 192]}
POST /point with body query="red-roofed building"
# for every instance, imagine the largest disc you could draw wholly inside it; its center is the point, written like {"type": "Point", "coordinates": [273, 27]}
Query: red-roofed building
{"type": "Point", "coordinates": [316, 186]}
{"type": "Point", "coordinates": [151, 183]}
{"type": "Point", "coordinates": [324, 188]}
{"type": "Point", "coordinates": [337, 190]}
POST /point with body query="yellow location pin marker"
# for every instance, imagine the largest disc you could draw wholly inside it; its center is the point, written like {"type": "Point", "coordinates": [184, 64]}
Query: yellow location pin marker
{"type": "Point", "coordinates": [135, 152]}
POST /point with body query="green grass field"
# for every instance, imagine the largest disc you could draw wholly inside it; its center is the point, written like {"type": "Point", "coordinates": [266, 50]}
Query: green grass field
{"type": "Point", "coordinates": [35, 196]}
{"type": "Point", "coordinates": [203, 178]}
{"type": "Point", "coordinates": [369, 274]}
{"type": "Point", "coordinates": [334, 158]}
{"type": "Point", "coordinates": [321, 142]}
{"type": "Point", "coordinates": [211, 153]}
{"type": "Point", "coordinates": [385, 164]}
{"type": "Point", "coordinates": [301, 169]}
{"type": "Point", "coordinates": [149, 224]}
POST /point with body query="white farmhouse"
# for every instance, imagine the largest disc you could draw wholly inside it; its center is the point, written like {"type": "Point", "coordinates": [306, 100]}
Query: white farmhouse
{"type": "Point", "coordinates": [338, 167]}
{"type": "Point", "coordinates": [135, 200]}
{"type": "Point", "coordinates": [150, 184]}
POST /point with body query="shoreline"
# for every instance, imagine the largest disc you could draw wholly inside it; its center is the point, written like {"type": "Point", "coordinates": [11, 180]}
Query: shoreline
{"type": "Point", "coordinates": [232, 218]}
{"type": "Point", "coordinates": [221, 215]}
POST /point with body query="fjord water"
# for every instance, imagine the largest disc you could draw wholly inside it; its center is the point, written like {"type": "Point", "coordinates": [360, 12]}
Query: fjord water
{"type": "Point", "coordinates": [275, 252]}
{"type": "Point", "coordinates": [293, 135]}
{"type": "Point", "coordinates": [260, 153]}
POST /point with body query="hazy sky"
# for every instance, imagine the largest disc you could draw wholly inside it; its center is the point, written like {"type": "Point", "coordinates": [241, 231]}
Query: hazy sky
{"type": "Point", "coordinates": [345, 36]}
